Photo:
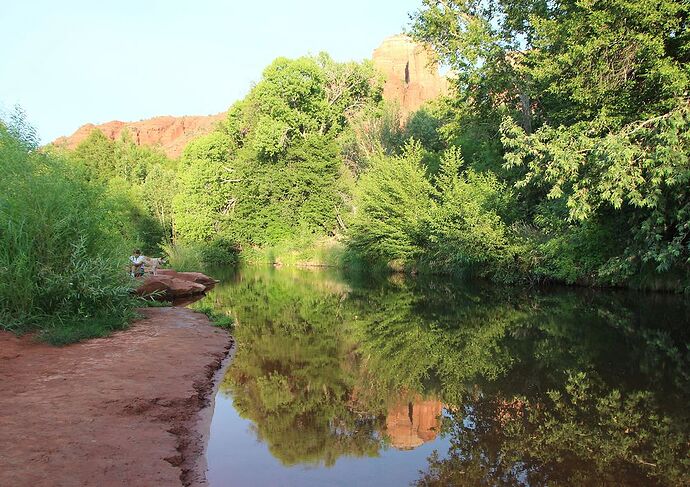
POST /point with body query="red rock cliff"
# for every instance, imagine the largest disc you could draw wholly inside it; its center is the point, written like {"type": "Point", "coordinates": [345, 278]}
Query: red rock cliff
{"type": "Point", "coordinates": [411, 71]}
{"type": "Point", "coordinates": [412, 78]}
{"type": "Point", "coordinates": [171, 134]}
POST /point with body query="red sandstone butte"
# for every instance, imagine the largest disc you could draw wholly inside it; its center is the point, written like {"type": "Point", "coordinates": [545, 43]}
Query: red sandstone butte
{"type": "Point", "coordinates": [170, 134]}
{"type": "Point", "coordinates": [411, 72]}
{"type": "Point", "coordinates": [412, 79]}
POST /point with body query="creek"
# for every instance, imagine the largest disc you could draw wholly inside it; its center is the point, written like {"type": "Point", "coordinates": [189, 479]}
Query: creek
{"type": "Point", "coordinates": [349, 380]}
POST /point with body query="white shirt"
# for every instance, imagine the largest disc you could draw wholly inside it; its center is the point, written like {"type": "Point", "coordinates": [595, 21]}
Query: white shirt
{"type": "Point", "coordinates": [136, 260]}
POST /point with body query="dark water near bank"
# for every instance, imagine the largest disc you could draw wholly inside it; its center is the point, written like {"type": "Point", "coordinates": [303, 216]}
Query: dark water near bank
{"type": "Point", "coordinates": [350, 381]}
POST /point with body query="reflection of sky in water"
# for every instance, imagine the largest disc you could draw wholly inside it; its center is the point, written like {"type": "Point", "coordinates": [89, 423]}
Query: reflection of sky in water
{"type": "Point", "coordinates": [236, 458]}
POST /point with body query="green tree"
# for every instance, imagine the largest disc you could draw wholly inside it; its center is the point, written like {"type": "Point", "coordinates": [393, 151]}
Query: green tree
{"type": "Point", "coordinates": [141, 178]}
{"type": "Point", "coordinates": [204, 197]}
{"type": "Point", "coordinates": [274, 171]}
{"type": "Point", "coordinates": [391, 206]}
{"type": "Point", "coordinates": [98, 154]}
{"type": "Point", "coordinates": [466, 228]}
{"type": "Point", "coordinates": [590, 101]}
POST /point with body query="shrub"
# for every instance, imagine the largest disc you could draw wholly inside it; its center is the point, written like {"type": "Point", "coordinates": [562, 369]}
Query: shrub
{"type": "Point", "coordinates": [391, 204]}
{"type": "Point", "coordinates": [62, 247]}
{"type": "Point", "coordinates": [195, 256]}
{"type": "Point", "coordinates": [451, 226]}
{"type": "Point", "coordinates": [465, 229]}
{"type": "Point", "coordinates": [220, 252]}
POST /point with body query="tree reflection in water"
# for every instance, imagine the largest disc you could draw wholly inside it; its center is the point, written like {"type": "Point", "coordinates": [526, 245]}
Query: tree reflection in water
{"type": "Point", "coordinates": [557, 387]}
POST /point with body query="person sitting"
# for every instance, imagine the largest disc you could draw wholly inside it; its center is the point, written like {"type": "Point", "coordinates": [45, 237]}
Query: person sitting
{"type": "Point", "coordinates": [137, 260]}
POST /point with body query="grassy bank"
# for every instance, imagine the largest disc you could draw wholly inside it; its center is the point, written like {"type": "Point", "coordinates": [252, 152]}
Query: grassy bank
{"type": "Point", "coordinates": [307, 252]}
{"type": "Point", "coordinates": [219, 319]}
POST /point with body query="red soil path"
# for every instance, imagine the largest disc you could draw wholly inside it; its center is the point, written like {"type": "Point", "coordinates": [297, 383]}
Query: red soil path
{"type": "Point", "coordinates": [124, 410]}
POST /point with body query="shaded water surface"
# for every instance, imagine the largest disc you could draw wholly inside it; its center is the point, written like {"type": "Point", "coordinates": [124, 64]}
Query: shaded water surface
{"type": "Point", "coordinates": [352, 381]}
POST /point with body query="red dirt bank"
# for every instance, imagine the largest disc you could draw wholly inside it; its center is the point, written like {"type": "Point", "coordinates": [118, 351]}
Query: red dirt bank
{"type": "Point", "coordinates": [123, 410]}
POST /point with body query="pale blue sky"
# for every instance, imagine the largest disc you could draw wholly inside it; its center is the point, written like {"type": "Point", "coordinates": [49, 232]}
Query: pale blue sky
{"type": "Point", "coordinates": [69, 62]}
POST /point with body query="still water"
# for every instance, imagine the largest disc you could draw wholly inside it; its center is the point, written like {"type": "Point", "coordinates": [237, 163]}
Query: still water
{"type": "Point", "coordinates": [355, 381]}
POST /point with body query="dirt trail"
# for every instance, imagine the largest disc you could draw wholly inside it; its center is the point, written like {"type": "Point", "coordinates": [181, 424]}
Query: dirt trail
{"type": "Point", "coordinates": [123, 410]}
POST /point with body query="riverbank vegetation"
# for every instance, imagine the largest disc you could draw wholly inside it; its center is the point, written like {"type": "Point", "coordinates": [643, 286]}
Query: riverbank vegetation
{"type": "Point", "coordinates": [62, 239]}
{"type": "Point", "coordinates": [560, 154]}
{"type": "Point", "coordinates": [581, 111]}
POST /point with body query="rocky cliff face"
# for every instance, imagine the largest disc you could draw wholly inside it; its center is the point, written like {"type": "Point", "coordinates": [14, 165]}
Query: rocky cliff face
{"type": "Point", "coordinates": [412, 76]}
{"type": "Point", "coordinates": [171, 134]}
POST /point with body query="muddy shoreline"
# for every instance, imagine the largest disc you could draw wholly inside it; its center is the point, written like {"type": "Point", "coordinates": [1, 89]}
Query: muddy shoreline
{"type": "Point", "coordinates": [131, 409]}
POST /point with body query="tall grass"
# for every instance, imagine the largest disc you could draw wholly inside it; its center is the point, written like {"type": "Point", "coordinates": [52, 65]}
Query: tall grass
{"type": "Point", "coordinates": [306, 251]}
{"type": "Point", "coordinates": [63, 247]}
{"type": "Point", "coordinates": [183, 257]}
{"type": "Point", "coordinates": [198, 256]}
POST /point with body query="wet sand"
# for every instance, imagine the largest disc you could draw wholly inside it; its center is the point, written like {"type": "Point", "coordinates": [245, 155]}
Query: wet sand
{"type": "Point", "coordinates": [131, 409]}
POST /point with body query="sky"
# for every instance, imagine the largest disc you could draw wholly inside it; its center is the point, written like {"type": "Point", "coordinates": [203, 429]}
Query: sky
{"type": "Point", "coordinates": [69, 62]}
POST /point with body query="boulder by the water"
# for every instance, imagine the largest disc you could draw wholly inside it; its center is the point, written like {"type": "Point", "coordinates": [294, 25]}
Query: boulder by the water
{"type": "Point", "coordinates": [197, 277]}
{"type": "Point", "coordinates": [170, 285]}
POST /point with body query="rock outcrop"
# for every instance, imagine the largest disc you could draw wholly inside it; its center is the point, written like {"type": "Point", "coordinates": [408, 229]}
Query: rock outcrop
{"type": "Point", "coordinates": [171, 285]}
{"type": "Point", "coordinates": [412, 78]}
{"type": "Point", "coordinates": [171, 134]}
{"type": "Point", "coordinates": [411, 71]}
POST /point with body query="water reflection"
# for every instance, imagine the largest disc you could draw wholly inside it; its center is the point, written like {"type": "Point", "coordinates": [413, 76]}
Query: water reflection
{"type": "Point", "coordinates": [409, 424]}
{"type": "Point", "coordinates": [550, 387]}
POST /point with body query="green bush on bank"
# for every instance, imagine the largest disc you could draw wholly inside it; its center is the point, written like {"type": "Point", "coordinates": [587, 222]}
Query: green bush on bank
{"type": "Point", "coordinates": [63, 246]}
{"type": "Point", "coordinates": [449, 225]}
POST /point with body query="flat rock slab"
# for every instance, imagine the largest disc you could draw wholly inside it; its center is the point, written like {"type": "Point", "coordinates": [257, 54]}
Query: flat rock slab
{"type": "Point", "coordinates": [196, 277]}
{"type": "Point", "coordinates": [171, 285]}
{"type": "Point", "coordinates": [122, 410]}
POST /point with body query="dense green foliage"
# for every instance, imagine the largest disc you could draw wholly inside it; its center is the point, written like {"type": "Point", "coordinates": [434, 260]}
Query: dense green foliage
{"type": "Point", "coordinates": [451, 222]}
{"type": "Point", "coordinates": [389, 216]}
{"type": "Point", "coordinates": [142, 179]}
{"type": "Point", "coordinates": [560, 154]}
{"type": "Point", "coordinates": [63, 242]}
{"type": "Point", "coordinates": [274, 171]}
{"type": "Point", "coordinates": [590, 101]}
{"type": "Point", "coordinates": [553, 387]}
